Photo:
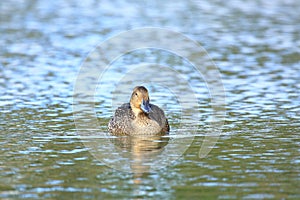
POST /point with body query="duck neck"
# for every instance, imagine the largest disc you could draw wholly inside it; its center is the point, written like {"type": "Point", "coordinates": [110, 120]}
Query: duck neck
{"type": "Point", "coordinates": [137, 112]}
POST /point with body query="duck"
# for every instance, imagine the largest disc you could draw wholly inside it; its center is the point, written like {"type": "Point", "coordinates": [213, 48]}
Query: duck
{"type": "Point", "coordinates": [139, 116]}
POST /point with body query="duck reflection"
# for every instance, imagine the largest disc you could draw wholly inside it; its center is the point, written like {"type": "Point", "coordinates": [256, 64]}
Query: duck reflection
{"type": "Point", "coordinates": [142, 149]}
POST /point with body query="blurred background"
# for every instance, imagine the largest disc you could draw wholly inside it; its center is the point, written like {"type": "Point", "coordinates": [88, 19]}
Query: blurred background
{"type": "Point", "coordinates": [255, 44]}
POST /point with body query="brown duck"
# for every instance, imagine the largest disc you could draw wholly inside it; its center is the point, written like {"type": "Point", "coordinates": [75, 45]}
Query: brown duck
{"type": "Point", "coordinates": [139, 117]}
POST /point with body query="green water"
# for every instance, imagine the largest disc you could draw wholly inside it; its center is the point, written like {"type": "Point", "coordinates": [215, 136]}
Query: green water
{"type": "Point", "coordinates": [255, 45]}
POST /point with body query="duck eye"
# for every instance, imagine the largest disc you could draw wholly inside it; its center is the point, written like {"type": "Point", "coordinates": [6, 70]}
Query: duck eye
{"type": "Point", "coordinates": [135, 94]}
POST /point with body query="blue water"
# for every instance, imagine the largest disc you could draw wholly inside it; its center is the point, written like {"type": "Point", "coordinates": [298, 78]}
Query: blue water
{"type": "Point", "coordinates": [254, 44]}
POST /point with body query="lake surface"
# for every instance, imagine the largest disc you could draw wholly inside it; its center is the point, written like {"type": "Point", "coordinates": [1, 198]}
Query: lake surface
{"type": "Point", "coordinates": [47, 154]}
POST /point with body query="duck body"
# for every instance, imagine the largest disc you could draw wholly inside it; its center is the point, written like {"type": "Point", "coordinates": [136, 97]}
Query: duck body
{"type": "Point", "coordinates": [138, 117]}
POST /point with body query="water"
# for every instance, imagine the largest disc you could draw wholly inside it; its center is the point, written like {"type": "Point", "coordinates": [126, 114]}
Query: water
{"type": "Point", "coordinates": [256, 47]}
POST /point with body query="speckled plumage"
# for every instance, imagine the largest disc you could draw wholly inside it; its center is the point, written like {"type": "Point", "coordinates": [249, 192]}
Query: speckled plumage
{"type": "Point", "coordinates": [130, 119]}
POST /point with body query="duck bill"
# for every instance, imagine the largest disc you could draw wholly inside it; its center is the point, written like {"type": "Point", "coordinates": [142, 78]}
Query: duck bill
{"type": "Point", "coordinates": [145, 106]}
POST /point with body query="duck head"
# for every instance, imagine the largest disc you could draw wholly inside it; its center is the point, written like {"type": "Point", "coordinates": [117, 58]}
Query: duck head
{"type": "Point", "coordinates": [139, 101]}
